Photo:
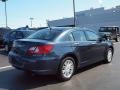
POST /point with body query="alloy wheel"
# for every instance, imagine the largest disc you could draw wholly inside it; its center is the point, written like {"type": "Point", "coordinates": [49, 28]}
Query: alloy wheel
{"type": "Point", "coordinates": [68, 68]}
{"type": "Point", "coordinates": [109, 55]}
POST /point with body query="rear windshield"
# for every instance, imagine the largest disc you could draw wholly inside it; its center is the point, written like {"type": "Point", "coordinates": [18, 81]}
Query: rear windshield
{"type": "Point", "coordinates": [45, 34]}
{"type": "Point", "coordinates": [108, 29]}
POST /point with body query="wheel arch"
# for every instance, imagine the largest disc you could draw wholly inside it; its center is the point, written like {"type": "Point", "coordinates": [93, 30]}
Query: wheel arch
{"type": "Point", "coordinates": [73, 56]}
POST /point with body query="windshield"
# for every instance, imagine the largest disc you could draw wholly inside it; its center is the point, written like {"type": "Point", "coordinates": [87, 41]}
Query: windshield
{"type": "Point", "coordinates": [45, 34]}
{"type": "Point", "coordinates": [28, 33]}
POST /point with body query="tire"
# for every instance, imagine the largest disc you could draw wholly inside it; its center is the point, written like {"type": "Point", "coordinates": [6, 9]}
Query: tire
{"type": "Point", "coordinates": [117, 39]}
{"type": "Point", "coordinates": [109, 56]}
{"type": "Point", "coordinates": [66, 69]}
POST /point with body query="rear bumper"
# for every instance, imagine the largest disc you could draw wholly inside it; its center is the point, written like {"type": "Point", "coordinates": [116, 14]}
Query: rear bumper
{"type": "Point", "coordinates": [43, 67]}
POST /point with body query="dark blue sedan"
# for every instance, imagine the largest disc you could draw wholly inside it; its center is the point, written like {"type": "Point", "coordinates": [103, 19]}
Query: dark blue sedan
{"type": "Point", "coordinates": [60, 51]}
{"type": "Point", "coordinates": [10, 37]}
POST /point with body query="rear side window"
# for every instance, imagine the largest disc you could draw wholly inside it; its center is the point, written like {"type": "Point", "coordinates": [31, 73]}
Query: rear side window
{"type": "Point", "coordinates": [91, 36]}
{"type": "Point", "coordinates": [67, 37]}
{"type": "Point", "coordinates": [79, 36]}
{"type": "Point", "coordinates": [45, 34]}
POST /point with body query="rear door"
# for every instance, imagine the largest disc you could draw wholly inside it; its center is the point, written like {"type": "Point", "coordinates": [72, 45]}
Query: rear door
{"type": "Point", "coordinates": [81, 47]}
{"type": "Point", "coordinates": [96, 48]}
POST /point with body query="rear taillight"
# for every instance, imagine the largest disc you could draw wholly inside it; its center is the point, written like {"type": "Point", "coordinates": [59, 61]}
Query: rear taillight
{"type": "Point", "coordinates": [38, 50]}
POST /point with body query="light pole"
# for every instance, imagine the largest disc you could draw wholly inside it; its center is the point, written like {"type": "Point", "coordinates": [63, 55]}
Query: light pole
{"type": "Point", "coordinates": [74, 13]}
{"type": "Point", "coordinates": [31, 21]}
{"type": "Point", "coordinates": [5, 12]}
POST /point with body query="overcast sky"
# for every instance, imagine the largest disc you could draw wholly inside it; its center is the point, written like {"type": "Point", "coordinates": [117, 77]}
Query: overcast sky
{"type": "Point", "coordinates": [19, 11]}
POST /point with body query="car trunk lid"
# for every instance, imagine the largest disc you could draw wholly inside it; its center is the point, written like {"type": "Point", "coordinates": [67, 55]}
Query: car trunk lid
{"type": "Point", "coordinates": [21, 46]}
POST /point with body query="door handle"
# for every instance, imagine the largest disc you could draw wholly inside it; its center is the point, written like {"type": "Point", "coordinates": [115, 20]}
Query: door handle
{"type": "Point", "coordinates": [76, 43]}
{"type": "Point", "coordinates": [93, 43]}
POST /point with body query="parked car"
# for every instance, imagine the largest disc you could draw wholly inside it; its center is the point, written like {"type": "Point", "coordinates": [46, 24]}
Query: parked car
{"type": "Point", "coordinates": [113, 33]}
{"type": "Point", "coordinates": [60, 51]}
{"type": "Point", "coordinates": [10, 37]}
{"type": "Point", "coordinates": [3, 31]}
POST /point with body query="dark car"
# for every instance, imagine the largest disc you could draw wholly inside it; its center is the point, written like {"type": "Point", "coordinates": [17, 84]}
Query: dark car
{"type": "Point", "coordinates": [113, 33]}
{"type": "Point", "coordinates": [10, 37]}
{"type": "Point", "coordinates": [60, 51]}
{"type": "Point", "coordinates": [3, 31]}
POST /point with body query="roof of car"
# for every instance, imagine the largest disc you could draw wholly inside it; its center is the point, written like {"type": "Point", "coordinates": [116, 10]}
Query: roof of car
{"type": "Point", "coordinates": [68, 28]}
{"type": "Point", "coordinates": [62, 29]}
{"type": "Point", "coordinates": [110, 27]}
{"type": "Point", "coordinates": [24, 30]}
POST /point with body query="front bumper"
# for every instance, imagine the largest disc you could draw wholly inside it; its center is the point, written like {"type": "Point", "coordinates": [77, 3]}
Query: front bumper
{"type": "Point", "coordinates": [40, 66]}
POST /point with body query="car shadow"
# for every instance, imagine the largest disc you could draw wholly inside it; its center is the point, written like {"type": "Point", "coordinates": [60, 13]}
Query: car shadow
{"type": "Point", "coordinates": [3, 52]}
{"type": "Point", "coordinates": [89, 67]}
{"type": "Point", "coordinates": [17, 80]}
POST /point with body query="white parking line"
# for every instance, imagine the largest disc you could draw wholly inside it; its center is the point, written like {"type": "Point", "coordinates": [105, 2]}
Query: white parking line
{"type": "Point", "coordinates": [5, 67]}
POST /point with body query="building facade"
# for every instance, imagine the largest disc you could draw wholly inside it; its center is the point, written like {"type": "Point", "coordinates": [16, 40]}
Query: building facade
{"type": "Point", "coordinates": [93, 18]}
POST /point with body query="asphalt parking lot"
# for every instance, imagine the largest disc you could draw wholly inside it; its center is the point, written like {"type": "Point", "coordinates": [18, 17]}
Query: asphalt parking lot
{"type": "Point", "coordinates": [99, 76]}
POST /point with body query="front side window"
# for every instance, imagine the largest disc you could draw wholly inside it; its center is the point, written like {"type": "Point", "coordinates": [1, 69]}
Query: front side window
{"type": "Point", "coordinates": [91, 36]}
{"type": "Point", "coordinates": [79, 36]}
